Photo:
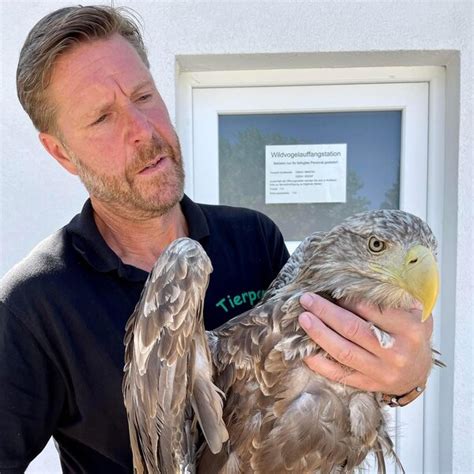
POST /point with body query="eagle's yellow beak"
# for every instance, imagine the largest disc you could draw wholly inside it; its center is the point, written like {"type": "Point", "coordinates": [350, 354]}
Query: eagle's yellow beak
{"type": "Point", "coordinates": [419, 276]}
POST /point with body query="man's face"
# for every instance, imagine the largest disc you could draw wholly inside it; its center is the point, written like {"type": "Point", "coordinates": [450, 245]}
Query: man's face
{"type": "Point", "coordinates": [115, 129]}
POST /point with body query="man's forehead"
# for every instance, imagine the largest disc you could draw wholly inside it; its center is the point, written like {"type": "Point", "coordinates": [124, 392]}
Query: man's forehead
{"type": "Point", "coordinates": [92, 68]}
{"type": "Point", "coordinates": [106, 56]}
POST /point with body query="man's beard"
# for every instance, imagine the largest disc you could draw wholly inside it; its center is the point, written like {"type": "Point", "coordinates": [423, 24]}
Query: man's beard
{"type": "Point", "coordinates": [149, 197]}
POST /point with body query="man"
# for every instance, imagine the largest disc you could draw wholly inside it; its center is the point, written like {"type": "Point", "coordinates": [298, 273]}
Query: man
{"type": "Point", "coordinates": [83, 78]}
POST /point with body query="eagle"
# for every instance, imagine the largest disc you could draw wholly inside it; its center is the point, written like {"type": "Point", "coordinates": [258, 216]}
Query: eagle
{"type": "Point", "coordinates": [260, 409]}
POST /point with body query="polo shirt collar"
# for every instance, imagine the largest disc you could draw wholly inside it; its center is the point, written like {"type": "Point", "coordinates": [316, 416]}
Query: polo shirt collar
{"type": "Point", "coordinates": [195, 218]}
{"type": "Point", "coordinates": [89, 243]}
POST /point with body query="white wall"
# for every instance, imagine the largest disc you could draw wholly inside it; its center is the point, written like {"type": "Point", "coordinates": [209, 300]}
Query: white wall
{"type": "Point", "coordinates": [38, 197]}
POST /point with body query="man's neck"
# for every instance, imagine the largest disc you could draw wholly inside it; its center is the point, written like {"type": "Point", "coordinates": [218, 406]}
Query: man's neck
{"type": "Point", "coordinates": [139, 242]}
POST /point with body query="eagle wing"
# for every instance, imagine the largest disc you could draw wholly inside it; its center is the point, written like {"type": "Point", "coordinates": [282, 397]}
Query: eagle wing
{"type": "Point", "coordinates": [168, 369]}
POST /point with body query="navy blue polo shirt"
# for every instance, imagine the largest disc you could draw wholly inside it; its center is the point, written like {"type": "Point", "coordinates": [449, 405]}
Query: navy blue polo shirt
{"type": "Point", "coordinates": [63, 311]}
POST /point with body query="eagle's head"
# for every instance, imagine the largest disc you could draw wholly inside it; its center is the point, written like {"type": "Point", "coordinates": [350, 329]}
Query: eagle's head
{"type": "Point", "coordinates": [384, 257]}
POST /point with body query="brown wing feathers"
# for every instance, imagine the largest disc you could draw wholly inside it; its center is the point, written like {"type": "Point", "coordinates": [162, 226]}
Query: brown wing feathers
{"type": "Point", "coordinates": [167, 363]}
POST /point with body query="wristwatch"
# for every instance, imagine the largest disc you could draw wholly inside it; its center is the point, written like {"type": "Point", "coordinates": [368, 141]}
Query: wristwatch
{"type": "Point", "coordinates": [402, 400]}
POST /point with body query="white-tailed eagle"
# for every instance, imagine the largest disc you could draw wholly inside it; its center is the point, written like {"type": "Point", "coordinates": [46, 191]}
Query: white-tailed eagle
{"type": "Point", "coordinates": [278, 416]}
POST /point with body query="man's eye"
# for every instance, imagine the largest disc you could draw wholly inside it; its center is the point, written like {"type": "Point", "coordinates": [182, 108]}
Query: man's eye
{"type": "Point", "coordinates": [101, 119]}
{"type": "Point", "coordinates": [144, 97]}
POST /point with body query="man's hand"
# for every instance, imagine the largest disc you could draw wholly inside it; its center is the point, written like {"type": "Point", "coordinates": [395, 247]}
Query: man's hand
{"type": "Point", "coordinates": [346, 335]}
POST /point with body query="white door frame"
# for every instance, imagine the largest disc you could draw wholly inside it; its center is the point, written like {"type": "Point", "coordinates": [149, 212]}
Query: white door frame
{"type": "Point", "coordinates": [418, 449]}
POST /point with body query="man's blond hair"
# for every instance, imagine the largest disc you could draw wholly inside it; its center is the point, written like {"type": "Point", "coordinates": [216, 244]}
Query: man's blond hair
{"type": "Point", "coordinates": [56, 34]}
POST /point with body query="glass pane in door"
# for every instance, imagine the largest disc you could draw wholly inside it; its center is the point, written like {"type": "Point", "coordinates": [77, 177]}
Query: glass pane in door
{"type": "Point", "coordinates": [371, 167]}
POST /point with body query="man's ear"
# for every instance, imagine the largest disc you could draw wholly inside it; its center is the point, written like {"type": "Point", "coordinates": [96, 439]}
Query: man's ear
{"type": "Point", "coordinates": [56, 149]}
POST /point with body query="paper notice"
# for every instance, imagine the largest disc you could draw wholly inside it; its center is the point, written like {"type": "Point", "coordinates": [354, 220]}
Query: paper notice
{"type": "Point", "coordinates": [305, 173]}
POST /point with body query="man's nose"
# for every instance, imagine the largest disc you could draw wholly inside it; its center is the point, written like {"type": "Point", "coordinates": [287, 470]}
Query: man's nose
{"type": "Point", "coordinates": [138, 127]}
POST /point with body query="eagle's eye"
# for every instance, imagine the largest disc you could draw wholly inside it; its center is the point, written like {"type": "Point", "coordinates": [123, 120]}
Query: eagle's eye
{"type": "Point", "coordinates": [376, 245]}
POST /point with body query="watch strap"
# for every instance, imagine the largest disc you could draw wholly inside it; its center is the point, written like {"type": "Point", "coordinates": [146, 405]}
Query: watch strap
{"type": "Point", "coordinates": [402, 400]}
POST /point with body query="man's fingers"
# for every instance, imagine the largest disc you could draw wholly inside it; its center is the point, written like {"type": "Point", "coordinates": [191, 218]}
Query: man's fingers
{"type": "Point", "coordinates": [347, 324]}
{"type": "Point", "coordinates": [341, 349]}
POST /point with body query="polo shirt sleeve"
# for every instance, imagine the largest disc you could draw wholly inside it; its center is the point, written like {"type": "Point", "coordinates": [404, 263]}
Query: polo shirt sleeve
{"type": "Point", "coordinates": [31, 395]}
